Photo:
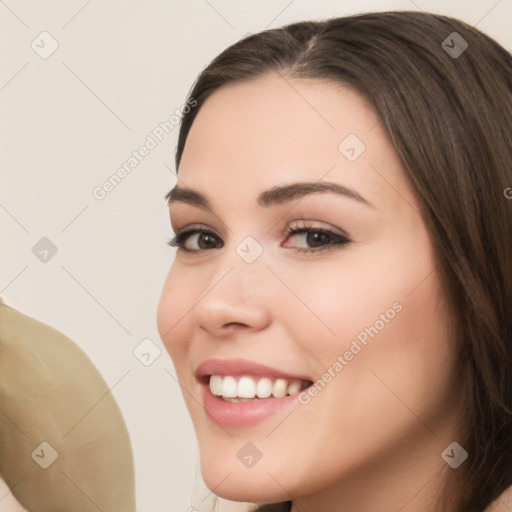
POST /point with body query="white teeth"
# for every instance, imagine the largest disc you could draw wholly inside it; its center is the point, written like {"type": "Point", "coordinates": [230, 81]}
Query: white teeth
{"type": "Point", "coordinates": [229, 387]}
{"type": "Point", "coordinates": [248, 388]}
{"type": "Point", "coordinates": [294, 387]}
{"type": "Point", "coordinates": [264, 388]}
{"type": "Point", "coordinates": [279, 388]}
{"type": "Point", "coordinates": [216, 385]}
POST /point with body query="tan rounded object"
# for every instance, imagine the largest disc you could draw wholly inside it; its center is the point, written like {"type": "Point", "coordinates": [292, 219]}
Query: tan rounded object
{"type": "Point", "coordinates": [64, 446]}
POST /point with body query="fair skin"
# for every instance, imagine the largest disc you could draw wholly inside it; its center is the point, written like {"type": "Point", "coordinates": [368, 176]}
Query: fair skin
{"type": "Point", "coordinates": [371, 439]}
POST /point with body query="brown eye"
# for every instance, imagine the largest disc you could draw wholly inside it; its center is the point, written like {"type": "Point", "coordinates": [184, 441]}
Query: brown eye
{"type": "Point", "coordinates": [316, 239]}
{"type": "Point", "coordinates": [207, 241]}
{"type": "Point", "coordinates": [204, 239]}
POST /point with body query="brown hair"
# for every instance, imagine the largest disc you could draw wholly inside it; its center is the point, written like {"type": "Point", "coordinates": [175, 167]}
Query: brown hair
{"type": "Point", "coordinates": [449, 115]}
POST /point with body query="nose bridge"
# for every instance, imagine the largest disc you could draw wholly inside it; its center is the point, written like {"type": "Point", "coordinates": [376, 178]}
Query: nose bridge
{"type": "Point", "coordinates": [234, 294]}
{"type": "Point", "coordinates": [244, 265]}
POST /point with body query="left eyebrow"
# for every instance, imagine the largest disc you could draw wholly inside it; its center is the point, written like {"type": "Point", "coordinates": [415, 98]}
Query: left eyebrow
{"type": "Point", "coordinates": [272, 197]}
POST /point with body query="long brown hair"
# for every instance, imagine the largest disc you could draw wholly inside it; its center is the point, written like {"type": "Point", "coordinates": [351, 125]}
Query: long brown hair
{"type": "Point", "coordinates": [446, 101]}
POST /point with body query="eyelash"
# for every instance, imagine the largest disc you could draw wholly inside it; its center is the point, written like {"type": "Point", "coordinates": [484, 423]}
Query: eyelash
{"type": "Point", "coordinates": [179, 239]}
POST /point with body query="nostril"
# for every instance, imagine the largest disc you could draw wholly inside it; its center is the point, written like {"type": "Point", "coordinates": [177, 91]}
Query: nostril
{"type": "Point", "coordinates": [235, 325]}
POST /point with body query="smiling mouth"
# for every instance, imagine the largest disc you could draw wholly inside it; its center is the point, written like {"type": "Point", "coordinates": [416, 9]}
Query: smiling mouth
{"type": "Point", "coordinates": [245, 388]}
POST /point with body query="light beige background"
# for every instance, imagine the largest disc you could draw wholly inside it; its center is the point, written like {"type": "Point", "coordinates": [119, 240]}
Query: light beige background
{"type": "Point", "coordinates": [68, 122]}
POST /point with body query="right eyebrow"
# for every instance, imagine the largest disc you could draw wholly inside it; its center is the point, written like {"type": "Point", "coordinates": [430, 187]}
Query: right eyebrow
{"type": "Point", "coordinates": [188, 196]}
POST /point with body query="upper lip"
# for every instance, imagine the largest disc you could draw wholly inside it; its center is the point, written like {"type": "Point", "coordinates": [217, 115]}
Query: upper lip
{"type": "Point", "coordinates": [237, 367]}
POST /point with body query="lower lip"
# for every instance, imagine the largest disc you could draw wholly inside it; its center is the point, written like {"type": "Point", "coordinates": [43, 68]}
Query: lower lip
{"type": "Point", "coordinates": [243, 414]}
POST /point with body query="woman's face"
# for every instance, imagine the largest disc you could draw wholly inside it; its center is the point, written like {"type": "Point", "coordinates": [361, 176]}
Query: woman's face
{"type": "Point", "coordinates": [355, 305]}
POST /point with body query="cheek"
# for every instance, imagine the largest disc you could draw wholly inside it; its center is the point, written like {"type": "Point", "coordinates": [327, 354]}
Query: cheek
{"type": "Point", "coordinates": [175, 301]}
{"type": "Point", "coordinates": [343, 300]}
{"type": "Point", "coordinates": [393, 353]}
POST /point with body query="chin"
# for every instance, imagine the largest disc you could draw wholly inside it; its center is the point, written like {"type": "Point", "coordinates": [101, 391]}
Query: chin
{"type": "Point", "coordinates": [246, 485]}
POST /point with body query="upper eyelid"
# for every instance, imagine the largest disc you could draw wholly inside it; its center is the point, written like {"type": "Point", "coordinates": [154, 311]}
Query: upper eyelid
{"type": "Point", "coordinates": [327, 226]}
{"type": "Point", "coordinates": [306, 225]}
{"type": "Point", "coordinates": [171, 216]}
{"type": "Point", "coordinates": [195, 227]}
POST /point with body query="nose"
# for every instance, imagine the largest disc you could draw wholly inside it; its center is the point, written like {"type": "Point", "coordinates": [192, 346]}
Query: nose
{"type": "Point", "coordinates": [236, 298]}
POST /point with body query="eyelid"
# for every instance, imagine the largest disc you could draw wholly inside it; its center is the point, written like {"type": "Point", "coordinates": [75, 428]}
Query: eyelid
{"type": "Point", "coordinates": [198, 226]}
{"type": "Point", "coordinates": [309, 224]}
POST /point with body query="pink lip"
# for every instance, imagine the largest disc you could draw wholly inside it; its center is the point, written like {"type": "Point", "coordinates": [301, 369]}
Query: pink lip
{"type": "Point", "coordinates": [241, 414]}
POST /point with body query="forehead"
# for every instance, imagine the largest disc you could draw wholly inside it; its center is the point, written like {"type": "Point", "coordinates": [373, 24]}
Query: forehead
{"type": "Point", "coordinates": [250, 136]}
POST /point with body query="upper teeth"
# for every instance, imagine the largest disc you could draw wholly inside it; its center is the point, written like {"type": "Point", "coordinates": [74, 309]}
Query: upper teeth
{"type": "Point", "coordinates": [248, 387]}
